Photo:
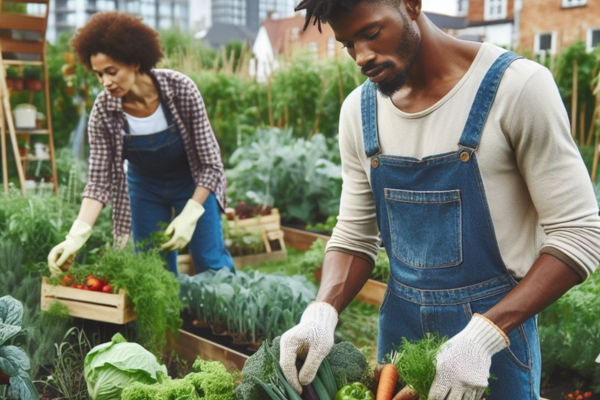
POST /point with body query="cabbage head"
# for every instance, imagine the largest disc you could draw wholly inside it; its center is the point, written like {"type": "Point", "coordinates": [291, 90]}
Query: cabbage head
{"type": "Point", "coordinates": [111, 366]}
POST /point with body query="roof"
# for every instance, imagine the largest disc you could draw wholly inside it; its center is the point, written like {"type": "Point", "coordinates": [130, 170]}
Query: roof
{"type": "Point", "coordinates": [279, 29]}
{"type": "Point", "coordinates": [443, 21]}
{"type": "Point", "coordinates": [219, 34]}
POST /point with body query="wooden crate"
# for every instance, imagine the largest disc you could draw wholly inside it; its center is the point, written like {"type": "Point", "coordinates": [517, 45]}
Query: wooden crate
{"type": "Point", "coordinates": [97, 306]}
{"type": "Point", "coordinates": [190, 346]}
{"type": "Point", "coordinates": [270, 222]}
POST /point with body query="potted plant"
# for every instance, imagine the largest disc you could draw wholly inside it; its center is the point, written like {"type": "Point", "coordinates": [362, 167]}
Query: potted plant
{"type": "Point", "coordinates": [23, 147]}
{"type": "Point", "coordinates": [13, 79]}
{"type": "Point", "coordinates": [33, 78]}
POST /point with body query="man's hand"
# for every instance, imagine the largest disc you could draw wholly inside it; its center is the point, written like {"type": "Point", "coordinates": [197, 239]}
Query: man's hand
{"type": "Point", "coordinates": [183, 226]}
{"type": "Point", "coordinates": [78, 235]}
{"type": "Point", "coordinates": [311, 339]}
{"type": "Point", "coordinates": [463, 363]}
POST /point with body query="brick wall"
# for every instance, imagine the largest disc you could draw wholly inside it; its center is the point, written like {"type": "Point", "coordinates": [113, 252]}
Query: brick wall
{"type": "Point", "coordinates": [570, 24]}
{"type": "Point", "coordinates": [476, 10]}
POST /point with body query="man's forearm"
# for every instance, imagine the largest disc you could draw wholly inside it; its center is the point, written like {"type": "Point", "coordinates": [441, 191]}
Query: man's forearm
{"type": "Point", "coordinates": [548, 279]}
{"type": "Point", "coordinates": [343, 277]}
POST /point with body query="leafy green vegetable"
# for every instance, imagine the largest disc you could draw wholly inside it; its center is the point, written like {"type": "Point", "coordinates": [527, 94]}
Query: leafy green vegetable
{"type": "Point", "coordinates": [13, 360]}
{"type": "Point", "coordinates": [210, 381]}
{"type": "Point", "coordinates": [416, 362]}
{"type": "Point", "coordinates": [110, 367]}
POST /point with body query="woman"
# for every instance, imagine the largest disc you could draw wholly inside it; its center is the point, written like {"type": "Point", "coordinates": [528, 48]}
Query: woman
{"type": "Point", "coordinates": [156, 120]}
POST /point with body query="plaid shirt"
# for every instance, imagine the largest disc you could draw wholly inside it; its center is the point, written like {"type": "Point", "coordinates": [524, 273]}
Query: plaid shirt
{"type": "Point", "coordinates": [106, 176]}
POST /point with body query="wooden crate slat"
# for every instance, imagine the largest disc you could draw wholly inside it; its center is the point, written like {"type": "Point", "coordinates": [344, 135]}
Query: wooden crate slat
{"type": "Point", "coordinates": [22, 22]}
{"type": "Point", "coordinates": [21, 46]}
{"type": "Point", "coordinates": [267, 222]}
{"type": "Point", "coordinates": [27, 1]}
{"type": "Point", "coordinates": [87, 310]}
{"type": "Point", "coordinates": [300, 239]}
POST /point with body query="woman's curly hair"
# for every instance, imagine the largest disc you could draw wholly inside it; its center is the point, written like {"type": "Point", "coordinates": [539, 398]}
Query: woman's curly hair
{"type": "Point", "coordinates": [123, 37]}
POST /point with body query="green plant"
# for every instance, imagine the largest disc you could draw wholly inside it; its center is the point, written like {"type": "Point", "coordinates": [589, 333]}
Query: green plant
{"type": "Point", "coordinates": [13, 360]}
{"type": "Point", "coordinates": [153, 290]}
{"type": "Point", "coordinates": [32, 73]}
{"type": "Point", "coordinates": [13, 73]}
{"type": "Point", "coordinates": [568, 331]}
{"type": "Point", "coordinates": [110, 367]}
{"type": "Point", "coordinates": [66, 376]}
{"type": "Point", "coordinates": [298, 176]}
{"type": "Point", "coordinates": [326, 227]}
{"type": "Point", "coordinates": [253, 305]}
{"type": "Point", "coordinates": [416, 362]}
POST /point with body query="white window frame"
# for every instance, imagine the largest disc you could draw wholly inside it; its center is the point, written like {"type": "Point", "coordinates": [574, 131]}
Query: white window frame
{"type": "Point", "coordinates": [465, 9]}
{"type": "Point", "coordinates": [536, 43]}
{"type": "Point", "coordinates": [488, 16]}
{"type": "Point", "coordinates": [330, 47]}
{"type": "Point", "coordinates": [313, 48]}
{"type": "Point", "coordinates": [573, 3]}
{"type": "Point", "coordinates": [588, 42]}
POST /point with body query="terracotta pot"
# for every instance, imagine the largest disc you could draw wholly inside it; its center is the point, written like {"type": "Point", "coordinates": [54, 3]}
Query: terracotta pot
{"type": "Point", "coordinates": [34, 85]}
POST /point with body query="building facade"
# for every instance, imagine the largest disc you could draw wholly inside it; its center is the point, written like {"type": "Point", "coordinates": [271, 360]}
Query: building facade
{"type": "Point", "coordinates": [250, 13]}
{"type": "Point", "coordinates": [68, 15]}
{"type": "Point", "coordinates": [550, 26]}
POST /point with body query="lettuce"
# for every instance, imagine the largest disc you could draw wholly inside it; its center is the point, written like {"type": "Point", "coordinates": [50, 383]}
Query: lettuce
{"type": "Point", "coordinates": [111, 366]}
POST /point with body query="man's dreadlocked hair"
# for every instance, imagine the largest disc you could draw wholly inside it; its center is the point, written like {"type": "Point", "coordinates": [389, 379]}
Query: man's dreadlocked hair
{"type": "Point", "coordinates": [322, 10]}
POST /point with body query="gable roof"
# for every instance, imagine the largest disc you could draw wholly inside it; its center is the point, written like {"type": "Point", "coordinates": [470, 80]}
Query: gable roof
{"type": "Point", "coordinates": [219, 34]}
{"type": "Point", "coordinates": [443, 21]}
{"type": "Point", "coordinates": [280, 29]}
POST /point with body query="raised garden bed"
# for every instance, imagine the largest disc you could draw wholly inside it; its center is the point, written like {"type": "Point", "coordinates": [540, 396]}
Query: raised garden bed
{"type": "Point", "coordinates": [372, 292]}
{"type": "Point", "coordinates": [301, 239]}
{"type": "Point", "coordinates": [97, 306]}
{"type": "Point", "coordinates": [189, 346]}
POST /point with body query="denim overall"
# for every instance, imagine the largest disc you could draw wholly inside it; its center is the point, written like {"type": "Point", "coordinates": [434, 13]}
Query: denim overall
{"type": "Point", "coordinates": [160, 180]}
{"type": "Point", "coordinates": [444, 258]}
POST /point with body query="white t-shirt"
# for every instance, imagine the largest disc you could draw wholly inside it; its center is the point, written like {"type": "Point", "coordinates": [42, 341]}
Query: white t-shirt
{"type": "Point", "coordinates": [537, 187]}
{"type": "Point", "coordinates": [154, 123]}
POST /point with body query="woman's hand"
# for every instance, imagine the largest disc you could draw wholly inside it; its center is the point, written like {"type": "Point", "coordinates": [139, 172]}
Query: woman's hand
{"type": "Point", "coordinates": [183, 226]}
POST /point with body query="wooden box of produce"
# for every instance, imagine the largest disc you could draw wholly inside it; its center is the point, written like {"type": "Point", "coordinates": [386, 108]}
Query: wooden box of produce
{"type": "Point", "coordinates": [271, 222]}
{"type": "Point", "coordinates": [97, 306]}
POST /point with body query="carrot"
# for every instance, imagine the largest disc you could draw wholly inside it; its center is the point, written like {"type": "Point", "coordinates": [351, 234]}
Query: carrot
{"type": "Point", "coordinates": [387, 382]}
{"type": "Point", "coordinates": [407, 393]}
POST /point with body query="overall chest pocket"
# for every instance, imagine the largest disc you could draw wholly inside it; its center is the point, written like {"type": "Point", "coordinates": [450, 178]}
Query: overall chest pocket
{"type": "Point", "coordinates": [425, 227]}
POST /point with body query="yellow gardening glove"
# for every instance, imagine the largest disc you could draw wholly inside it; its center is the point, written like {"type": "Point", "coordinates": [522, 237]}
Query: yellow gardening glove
{"type": "Point", "coordinates": [78, 235]}
{"type": "Point", "coordinates": [183, 226]}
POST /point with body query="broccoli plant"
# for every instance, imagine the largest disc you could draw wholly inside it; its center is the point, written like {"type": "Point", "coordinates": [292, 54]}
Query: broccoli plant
{"type": "Point", "coordinates": [14, 363]}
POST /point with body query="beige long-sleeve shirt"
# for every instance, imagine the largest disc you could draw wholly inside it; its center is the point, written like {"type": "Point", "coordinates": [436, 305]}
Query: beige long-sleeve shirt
{"type": "Point", "coordinates": [539, 193]}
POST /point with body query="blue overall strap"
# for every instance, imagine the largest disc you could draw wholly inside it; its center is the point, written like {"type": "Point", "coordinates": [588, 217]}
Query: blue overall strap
{"type": "Point", "coordinates": [368, 107]}
{"type": "Point", "coordinates": [483, 101]}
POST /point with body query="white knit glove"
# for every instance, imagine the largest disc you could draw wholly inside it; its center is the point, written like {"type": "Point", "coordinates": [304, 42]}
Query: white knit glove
{"type": "Point", "coordinates": [183, 226]}
{"type": "Point", "coordinates": [311, 339]}
{"type": "Point", "coordinates": [463, 363]}
{"type": "Point", "coordinates": [78, 235]}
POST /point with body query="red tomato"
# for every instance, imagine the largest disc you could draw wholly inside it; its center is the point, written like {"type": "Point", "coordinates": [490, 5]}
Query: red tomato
{"type": "Point", "coordinates": [104, 282]}
{"type": "Point", "coordinates": [68, 281]}
{"type": "Point", "coordinates": [107, 289]}
{"type": "Point", "coordinates": [93, 284]}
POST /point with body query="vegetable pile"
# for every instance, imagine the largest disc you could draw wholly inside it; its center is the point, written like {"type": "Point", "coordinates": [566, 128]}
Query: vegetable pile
{"type": "Point", "coordinates": [91, 283]}
{"type": "Point", "coordinates": [262, 377]}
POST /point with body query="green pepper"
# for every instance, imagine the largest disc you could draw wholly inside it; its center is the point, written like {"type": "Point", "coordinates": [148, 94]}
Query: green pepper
{"type": "Point", "coordinates": [354, 391]}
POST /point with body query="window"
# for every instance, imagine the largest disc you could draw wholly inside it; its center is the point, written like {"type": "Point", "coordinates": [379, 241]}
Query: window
{"type": "Point", "coordinates": [573, 3]}
{"type": "Point", "coordinates": [593, 38]}
{"type": "Point", "coordinates": [545, 43]}
{"type": "Point", "coordinates": [331, 47]}
{"type": "Point", "coordinates": [494, 9]}
{"type": "Point", "coordinates": [313, 48]}
{"type": "Point", "coordinates": [463, 6]}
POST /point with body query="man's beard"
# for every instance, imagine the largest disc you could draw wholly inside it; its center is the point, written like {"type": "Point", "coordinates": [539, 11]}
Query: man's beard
{"type": "Point", "coordinates": [408, 49]}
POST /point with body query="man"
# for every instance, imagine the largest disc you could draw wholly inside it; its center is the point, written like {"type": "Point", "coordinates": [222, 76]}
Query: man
{"type": "Point", "coordinates": [459, 155]}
